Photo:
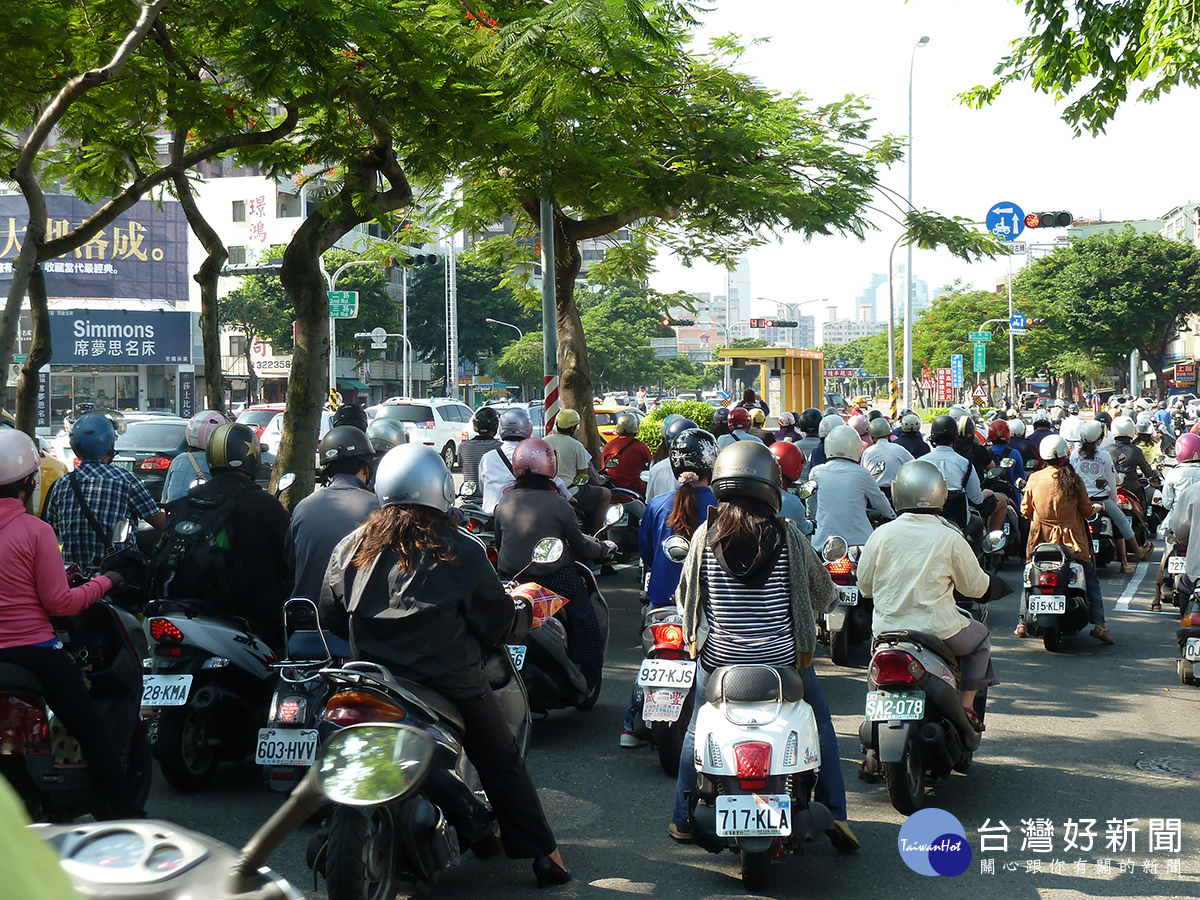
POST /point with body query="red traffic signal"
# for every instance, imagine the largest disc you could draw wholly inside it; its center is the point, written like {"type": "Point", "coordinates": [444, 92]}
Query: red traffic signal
{"type": "Point", "coordinates": [762, 323]}
{"type": "Point", "coordinates": [1048, 219]}
{"type": "Point", "coordinates": [666, 323]}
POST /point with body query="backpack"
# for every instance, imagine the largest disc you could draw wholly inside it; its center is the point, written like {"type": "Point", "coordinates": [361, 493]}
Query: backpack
{"type": "Point", "coordinates": [193, 559]}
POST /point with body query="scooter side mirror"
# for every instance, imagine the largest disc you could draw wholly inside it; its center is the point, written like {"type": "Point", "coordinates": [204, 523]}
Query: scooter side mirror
{"type": "Point", "coordinates": [580, 480]}
{"type": "Point", "coordinates": [613, 516]}
{"type": "Point", "coordinates": [468, 489]}
{"type": "Point", "coordinates": [548, 550]}
{"type": "Point", "coordinates": [285, 482]}
{"type": "Point", "coordinates": [676, 548]}
{"type": "Point", "coordinates": [645, 476]}
{"type": "Point", "coordinates": [121, 531]}
{"type": "Point", "coordinates": [612, 463]}
{"type": "Point", "coordinates": [1007, 463]}
{"type": "Point", "coordinates": [994, 542]}
{"type": "Point", "coordinates": [806, 490]}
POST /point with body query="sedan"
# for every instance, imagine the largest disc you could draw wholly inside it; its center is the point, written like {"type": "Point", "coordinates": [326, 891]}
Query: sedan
{"type": "Point", "coordinates": [148, 447]}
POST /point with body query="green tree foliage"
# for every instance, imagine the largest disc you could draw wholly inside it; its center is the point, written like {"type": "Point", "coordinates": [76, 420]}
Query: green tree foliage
{"type": "Point", "coordinates": [521, 362]}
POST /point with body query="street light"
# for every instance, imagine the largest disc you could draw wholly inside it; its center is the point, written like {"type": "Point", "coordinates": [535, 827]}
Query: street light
{"type": "Point", "coordinates": [520, 333]}
{"type": "Point", "coordinates": [911, 287]}
{"type": "Point", "coordinates": [792, 313]}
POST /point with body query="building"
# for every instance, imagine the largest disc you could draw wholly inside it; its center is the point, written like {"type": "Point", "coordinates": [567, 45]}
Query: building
{"type": "Point", "coordinates": [870, 297]}
{"type": "Point", "coordinates": [842, 331]}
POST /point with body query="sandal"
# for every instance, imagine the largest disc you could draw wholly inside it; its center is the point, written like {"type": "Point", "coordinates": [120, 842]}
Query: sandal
{"type": "Point", "coordinates": [1146, 552]}
{"type": "Point", "coordinates": [1020, 631]}
{"type": "Point", "coordinates": [1128, 569]}
{"type": "Point", "coordinates": [1156, 606]}
{"type": "Point", "coordinates": [974, 720]}
{"type": "Point", "coordinates": [1100, 633]}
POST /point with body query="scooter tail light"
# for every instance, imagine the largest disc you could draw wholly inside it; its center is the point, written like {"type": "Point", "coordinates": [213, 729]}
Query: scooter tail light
{"type": "Point", "coordinates": [841, 566]}
{"type": "Point", "coordinates": [791, 750]}
{"type": "Point", "coordinates": [355, 707]}
{"type": "Point", "coordinates": [1191, 620]}
{"type": "Point", "coordinates": [896, 667]}
{"type": "Point", "coordinates": [292, 710]}
{"type": "Point", "coordinates": [753, 759]}
{"type": "Point", "coordinates": [1047, 579]}
{"type": "Point", "coordinates": [24, 728]}
{"type": "Point", "coordinates": [164, 631]}
{"type": "Point", "coordinates": [715, 758]}
{"type": "Point", "coordinates": [670, 636]}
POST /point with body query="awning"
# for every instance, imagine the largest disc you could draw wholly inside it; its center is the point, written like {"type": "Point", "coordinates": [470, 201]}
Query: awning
{"type": "Point", "coordinates": [351, 384]}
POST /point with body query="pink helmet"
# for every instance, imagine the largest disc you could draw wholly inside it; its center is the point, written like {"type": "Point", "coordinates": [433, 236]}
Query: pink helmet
{"type": "Point", "coordinates": [201, 426]}
{"type": "Point", "coordinates": [859, 423]}
{"type": "Point", "coordinates": [534, 456]}
{"type": "Point", "coordinates": [18, 456]}
{"type": "Point", "coordinates": [1187, 447]}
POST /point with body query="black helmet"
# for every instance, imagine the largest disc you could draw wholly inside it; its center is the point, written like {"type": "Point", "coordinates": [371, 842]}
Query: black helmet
{"type": "Point", "coordinates": [234, 446]}
{"type": "Point", "coordinates": [343, 443]}
{"type": "Point", "coordinates": [943, 429]}
{"type": "Point", "coordinates": [810, 420]}
{"type": "Point", "coordinates": [693, 450]}
{"type": "Point", "coordinates": [350, 414]}
{"type": "Point", "coordinates": [873, 415]}
{"type": "Point", "coordinates": [486, 420]}
{"type": "Point", "coordinates": [721, 417]}
{"type": "Point", "coordinates": [1105, 419]}
{"type": "Point", "coordinates": [966, 428]}
{"type": "Point", "coordinates": [748, 469]}
{"type": "Point", "coordinates": [677, 427]}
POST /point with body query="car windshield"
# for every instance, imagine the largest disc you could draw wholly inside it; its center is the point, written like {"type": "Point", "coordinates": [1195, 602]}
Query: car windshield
{"type": "Point", "coordinates": [152, 435]}
{"type": "Point", "coordinates": [257, 417]}
{"type": "Point", "coordinates": [407, 412]}
{"type": "Point", "coordinates": [275, 425]}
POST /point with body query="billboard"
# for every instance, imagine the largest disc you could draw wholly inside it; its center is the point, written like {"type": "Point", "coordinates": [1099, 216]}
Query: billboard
{"type": "Point", "coordinates": [142, 254]}
{"type": "Point", "coordinates": [112, 337]}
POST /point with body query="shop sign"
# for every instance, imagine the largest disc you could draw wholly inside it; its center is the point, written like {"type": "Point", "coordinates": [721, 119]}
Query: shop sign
{"type": "Point", "coordinates": [113, 337]}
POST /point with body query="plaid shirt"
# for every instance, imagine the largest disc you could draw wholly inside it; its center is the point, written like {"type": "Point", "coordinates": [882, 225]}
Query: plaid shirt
{"type": "Point", "coordinates": [112, 493]}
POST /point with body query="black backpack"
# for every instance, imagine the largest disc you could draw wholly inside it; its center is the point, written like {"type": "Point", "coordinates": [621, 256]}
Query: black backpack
{"type": "Point", "coordinates": [193, 559]}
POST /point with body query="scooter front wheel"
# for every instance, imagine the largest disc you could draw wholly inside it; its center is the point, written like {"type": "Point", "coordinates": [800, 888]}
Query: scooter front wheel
{"type": "Point", "coordinates": [756, 870]}
{"type": "Point", "coordinates": [363, 861]}
{"type": "Point", "coordinates": [839, 647]}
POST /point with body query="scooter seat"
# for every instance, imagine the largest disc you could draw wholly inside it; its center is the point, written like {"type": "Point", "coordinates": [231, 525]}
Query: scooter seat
{"type": "Point", "coordinates": [926, 640]}
{"type": "Point", "coordinates": [306, 645]}
{"type": "Point", "coordinates": [15, 678]}
{"type": "Point", "coordinates": [436, 702]}
{"type": "Point", "coordinates": [754, 684]}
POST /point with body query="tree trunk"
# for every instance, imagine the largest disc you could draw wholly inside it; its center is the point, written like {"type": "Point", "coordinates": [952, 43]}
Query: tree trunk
{"type": "Point", "coordinates": [574, 370]}
{"type": "Point", "coordinates": [1160, 381]}
{"type": "Point", "coordinates": [206, 276]}
{"type": "Point", "coordinates": [39, 353]}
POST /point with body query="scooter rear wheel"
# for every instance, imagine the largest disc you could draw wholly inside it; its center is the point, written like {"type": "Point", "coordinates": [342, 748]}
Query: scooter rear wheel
{"type": "Point", "coordinates": [839, 648]}
{"type": "Point", "coordinates": [139, 769]}
{"type": "Point", "coordinates": [186, 760]}
{"type": "Point", "coordinates": [1052, 638]}
{"type": "Point", "coordinates": [906, 779]}
{"type": "Point", "coordinates": [756, 870]}
{"type": "Point", "coordinates": [363, 861]}
{"type": "Point", "coordinates": [590, 700]}
{"type": "Point", "coordinates": [668, 738]}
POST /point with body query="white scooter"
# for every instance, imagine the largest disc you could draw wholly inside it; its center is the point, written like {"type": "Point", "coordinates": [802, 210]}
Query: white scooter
{"type": "Point", "coordinates": [757, 754]}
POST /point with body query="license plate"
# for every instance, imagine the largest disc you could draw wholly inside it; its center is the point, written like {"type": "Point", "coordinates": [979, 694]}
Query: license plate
{"type": "Point", "coordinates": [165, 690]}
{"type": "Point", "coordinates": [754, 815]}
{"type": "Point", "coordinates": [286, 747]}
{"type": "Point", "coordinates": [1095, 546]}
{"type": "Point", "coordinates": [1047, 603]}
{"type": "Point", "coordinates": [849, 594]}
{"type": "Point", "coordinates": [1176, 565]}
{"type": "Point", "coordinates": [517, 653]}
{"type": "Point", "coordinates": [887, 705]}
{"type": "Point", "coordinates": [123, 463]}
{"type": "Point", "coordinates": [1191, 650]}
{"type": "Point", "coordinates": [663, 706]}
{"type": "Point", "coordinates": [667, 673]}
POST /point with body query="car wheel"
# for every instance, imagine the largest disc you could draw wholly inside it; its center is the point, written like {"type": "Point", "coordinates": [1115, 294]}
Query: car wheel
{"type": "Point", "coordinates": [448, 455]}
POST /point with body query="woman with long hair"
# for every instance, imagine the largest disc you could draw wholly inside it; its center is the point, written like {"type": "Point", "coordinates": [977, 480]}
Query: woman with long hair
{"type": "Point", "coordinates": [1093, 463]}
{"type": "Point", "coordinates": [1057, 505]}
{"type": "Point", "coordinates": [747, 594]}
{"type": "Point", "coordinates": [414, 593]}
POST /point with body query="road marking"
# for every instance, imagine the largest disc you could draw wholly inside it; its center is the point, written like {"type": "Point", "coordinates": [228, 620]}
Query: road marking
{"type": "Point", "coordinates": [1135, 582]}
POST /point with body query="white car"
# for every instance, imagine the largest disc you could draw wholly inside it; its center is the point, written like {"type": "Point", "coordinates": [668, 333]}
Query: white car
{"type": "Point", "coordinates": [443, 424]}
{"type": "Point", "coordinates": [273, 433]}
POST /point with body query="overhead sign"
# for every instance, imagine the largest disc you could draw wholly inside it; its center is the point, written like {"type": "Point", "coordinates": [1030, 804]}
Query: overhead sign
{"type": "Point", "coordinates": [976, 337]}
{"type": "Point", "coordinates": [343, 304]}
{"type": "Point", "coordinates": [1018, 323]}
{"type": "Point", "coordinates": [945, 386]}
{"type": "Point", "coordinates": [1005, 220]}
{"type": "Point", "coordinates": [112, 337]}
{"type": "Point", "coordinates": [956, 370]}
{"type": "Point", "coordinates": [840, 373]}
{"type": "Point", "coordinates": [980, 357]}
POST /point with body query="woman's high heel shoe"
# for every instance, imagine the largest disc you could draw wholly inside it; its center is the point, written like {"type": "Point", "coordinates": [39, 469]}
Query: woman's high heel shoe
{"type": "Point", "coordinates": [547, 871]}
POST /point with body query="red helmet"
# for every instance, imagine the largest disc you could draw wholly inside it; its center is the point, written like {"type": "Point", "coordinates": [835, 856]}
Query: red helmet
{"type": "Point", "coordinates": [791, 459]}
{"type": "Point", "coordinates": [1187, 448]}
{"type": "Point", "coordinates": [999, 431]}
{"type": "Point", "coordinates": [739, 417]}
{"type": "Point", "coordinates": [534, 456]}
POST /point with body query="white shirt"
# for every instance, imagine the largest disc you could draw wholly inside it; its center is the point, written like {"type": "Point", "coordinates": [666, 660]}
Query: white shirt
{"type": "Point", "coordinates": [792, 507]}
{"type": "Point", "coordinates": [1176, 478]}
{"type": "Point", "coordinates": [911, 567]}
{"type": "Point", "coordinates": [953, 468]}
{"type": "Point", "coordinates": [495, 478]}
{"type": "Point", "coordinates": [1090, 470]}
{"type": "Point", "coordinates": [726, 439]}
{"type": "Point", "coordinates": [573, 457]}
{"type": "Point", "coordinates": [839, 506]}
{"type": "Point", "coordinates": [660, 479]}
{"type": "Point", "coordinates": [883, 460]}
{"type": "Point", "coordinates": [1184, 519]}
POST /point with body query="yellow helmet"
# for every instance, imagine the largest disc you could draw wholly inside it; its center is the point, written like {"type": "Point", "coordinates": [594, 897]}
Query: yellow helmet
{"type": "Point", "coordinates": [758, 417]}
{"type": "Point", "coordinates": [566, 420]}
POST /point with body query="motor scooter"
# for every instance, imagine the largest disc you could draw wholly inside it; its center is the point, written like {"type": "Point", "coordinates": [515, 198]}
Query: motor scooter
{"type": "Point", "coordinates": [1055, 602]}
{"type": "Point", "coordinates": [849, 622]}
{"type": "Point", "coordinates": [1188, 638]}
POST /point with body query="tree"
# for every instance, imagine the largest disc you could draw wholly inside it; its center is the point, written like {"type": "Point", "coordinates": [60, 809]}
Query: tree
{"type": "Point", "coordinates": [1120, 291]}
{"type": "Point", "coordinates": [521, 362]}
{"type": "Point", "coordinates": [260, 311]}
{"type": "Point", "coordinates": [1094, 54]}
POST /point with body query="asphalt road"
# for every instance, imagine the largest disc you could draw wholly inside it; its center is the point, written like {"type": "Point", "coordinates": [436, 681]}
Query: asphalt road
{"type": "Point", "coordinates": [1094, 732]}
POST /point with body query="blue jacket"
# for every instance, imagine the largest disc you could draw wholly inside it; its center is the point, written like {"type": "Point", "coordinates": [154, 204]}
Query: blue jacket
{"type": "Point", "coordinates": [1000, 451]}
{"type": "Point", "coordinates": [664, 574]}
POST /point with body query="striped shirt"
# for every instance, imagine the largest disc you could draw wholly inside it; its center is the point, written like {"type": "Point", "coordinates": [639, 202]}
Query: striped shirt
{"type": "Point", "coordinates": [750, 623]}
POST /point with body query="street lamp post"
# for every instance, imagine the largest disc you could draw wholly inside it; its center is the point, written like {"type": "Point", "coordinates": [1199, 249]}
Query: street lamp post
{"type": "Point", "coordinates": [520, 333]}
{"type": "Point", "coordinates": [911, 283]}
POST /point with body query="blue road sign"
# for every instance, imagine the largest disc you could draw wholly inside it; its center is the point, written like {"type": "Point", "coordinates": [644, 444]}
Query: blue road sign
{"type": "Point", "coordinates": [956, 370]}
{"type": "Point", "coordinates": [840, 364]}
{"type": "Point", "coordinates": [1005, 220]}
{"type": "Point", "coordinates": [1017, 323]}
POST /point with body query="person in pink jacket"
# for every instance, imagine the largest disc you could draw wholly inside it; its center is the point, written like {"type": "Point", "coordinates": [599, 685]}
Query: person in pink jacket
{"type": "Point", "coordinates": [33, 587]}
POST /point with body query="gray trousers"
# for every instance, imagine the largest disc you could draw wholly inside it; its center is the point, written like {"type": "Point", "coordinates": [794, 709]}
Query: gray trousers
{"type": "Point", "coordinates": [973, 647]}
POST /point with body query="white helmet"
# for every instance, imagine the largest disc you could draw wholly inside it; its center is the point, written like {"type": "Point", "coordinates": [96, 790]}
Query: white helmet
{"type": "Point", "coordinates": [1091, 431]}
{"type": "Point", "coordinates": [1053, 447]}
{"type": "Point", "coordinates": [18, 456]}
{"type": "Point", "coordinates": [843, 442]}
{"type": "Point", "coordinates": [957, 411]}
{"type": "Point", "coordinates": [828, 424]}
{"type": "Point", "coordinates": [1123, 427]}
{"type": "Point", "coordinates": [1017, 427]}
{"type": "Point", "coordinates": [414, 475]}
{"type": "Point", "coordinates": [879, 428]}
{"type": "Point", "coordinates": [1060, 403]}
{"type": "Point", "coordinates": [910, 423]}
{"type": "Point", "coordinates": [1141, 403]}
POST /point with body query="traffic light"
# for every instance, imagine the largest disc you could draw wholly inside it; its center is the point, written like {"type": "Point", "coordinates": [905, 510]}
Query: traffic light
{"type": "Point", "coordinates": [1048, 219]}
{"type": "Point", "coordinates": [425, 259]}
{"type": "Point", "coordinates": [786, 323]}
{"type": "Point", "coordinates": [1036, 323]}
{"type": "Point", "coordinates": [240, 270]}
{"type": "Point", "coordinates": [677, 323]}
{"type": "Point", "coordinates": [773, 323]}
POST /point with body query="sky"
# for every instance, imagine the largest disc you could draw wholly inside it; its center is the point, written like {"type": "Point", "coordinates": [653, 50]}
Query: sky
{"type": "Point", "coordinates": [964, 161]}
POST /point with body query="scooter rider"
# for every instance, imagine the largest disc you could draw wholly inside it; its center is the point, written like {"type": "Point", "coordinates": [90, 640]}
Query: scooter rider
{"type": "Point", "coordinates": [915, 590]}
{"type": "Point", "coordinates": [414, 592]}
{"type": "Point", "coordinates": [999, 435]}
{"type": "Point", "coordinates": [191, 466]}
{"type": "Point", "coordinates": [747, 594]}
{"type": "Point", "coordinates": [817, 457]}
{"type": "Point", "coordinates": [720, 421]}
{"type": "Point", "coordinates": [1018, 441]}
{"type": "Point", "coordinates": [810, 424]}
{"type": "Point", "coordinates": [485, 421]}
{"type": "Point", "coordinates": [883, 458]}
{"type": "Point", "coordinates": [97, 488]}
{"type": "Point", "coordinates": [1129, 460]}
{"type": "Point", "coordinates": [327, 515]}
{"type": "Point", "coordinates": [787, 428]}
{"type": "Point", "coordinates": [1178, 478]}
{"type": "Point", "coordinates": [574, 460]}
{"type": "Point", "coordinates": [384, 433]}
{"type": "Point", "coordinates": [739, 429]}
{"type": "Point", "coordinates": [632, 457]}
{"type": "Point", "coordinates": [910, 436]}
{"type": "Point", "coordinates": [33, 587]}
{"type": "Point", "coordinates": [662, 479]}
{"type": "Point", "coordinates": [961, 478]}
{"type": "Point", "coordinates": [1092, 464]}
{"type": "Point", "coordinates": [758, 422]}
{"type": "Point", "coordinates": [844, 489]}
{"type": "Point", "coordinates": [495, 468]}
{"type": "Point", "coordinates": [791, 465]}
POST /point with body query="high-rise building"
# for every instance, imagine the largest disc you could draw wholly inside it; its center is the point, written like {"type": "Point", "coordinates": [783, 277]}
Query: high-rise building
{"type": "Point", "coordinates": [870, 297]}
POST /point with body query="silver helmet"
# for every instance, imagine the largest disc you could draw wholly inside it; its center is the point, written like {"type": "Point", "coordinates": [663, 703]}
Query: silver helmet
{"type": "Point", "coordinates": [749, 469]}
{"type": "Point", "coordinates": [414, 475]}
{"type": "Point", "coordinates": [384, 433]}
{"type": "Point", "coordinates": [515, 423]}
{"type": "Point", "coordinates": [919, 485]}
{"type": "Point", "coordinates": [844, 443]}
{"type": "Point", "coordinates": [829, 423]}
{"type": "Point", "coordinates": [910, 424]}
{"type": "Point", "coordinates": [879, 428]}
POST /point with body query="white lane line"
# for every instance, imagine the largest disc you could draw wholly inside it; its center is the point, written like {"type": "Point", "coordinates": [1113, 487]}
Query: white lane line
{"type": "Point", "coordinates": [1135, 582]}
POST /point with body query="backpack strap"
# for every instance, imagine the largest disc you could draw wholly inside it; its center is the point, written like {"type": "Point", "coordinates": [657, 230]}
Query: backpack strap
{"type": "Point", "coordinates": [105, 540]}
{"type": "Point", "coordinates": [192, 460]}
{"type": "Point", "coordinates": [507, 462]}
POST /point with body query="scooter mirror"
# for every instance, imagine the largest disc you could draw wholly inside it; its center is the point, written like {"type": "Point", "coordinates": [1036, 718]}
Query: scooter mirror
{"type": "Point", "coordinates": [645, 476]}
{"type": "Point", "coordinates": [612, 463]}
{"type": "Point", "coordinates": [993, 542]}
{"type": "Point", "coordinates": [121, 531]}
{"type": "Point", "coordinates": [1021, 482]}
{"type": "Point", "coordinates": [285, 482]}
{"type": "Point", "coordinates": [1007, 463]}
{"type": "Point", "coordinates": [834, 549]}
{"type": "Point", "coordinates": [613, 516]}
{"type": "Point", "coordinates": [580, 480]}
{"type": "Point", "coordinates": [364, 765]}
{"type": "Point", "coordinates": [806, 490]}
{"type": "Point", "coordinates": [548, 550]}
{"type": "Point", "coordinates": [676, 548]}
{"type": "Point", "coordinates": [468, 489]}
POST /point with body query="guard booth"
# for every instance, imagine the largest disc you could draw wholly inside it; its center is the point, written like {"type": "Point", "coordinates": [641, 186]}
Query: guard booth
{"type": "Point", "coordinates": [788, 379]}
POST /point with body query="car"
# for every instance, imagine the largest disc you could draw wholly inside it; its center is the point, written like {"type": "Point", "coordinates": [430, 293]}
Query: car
{"type": "Point", "coordinates": [441, 423]}
{"type": "Point", "coordinates": [837, 403]}
{"type": "Point", "coordinates": [148, 447]}
{"type": "Point", "coordinates": [606, 419]}
{"type": "Point", "coordinates": [272, 434]}
{"type": "Point", "coordinates": [260, 416]}
{"type": "Point", "coordinates": [60, 444]}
